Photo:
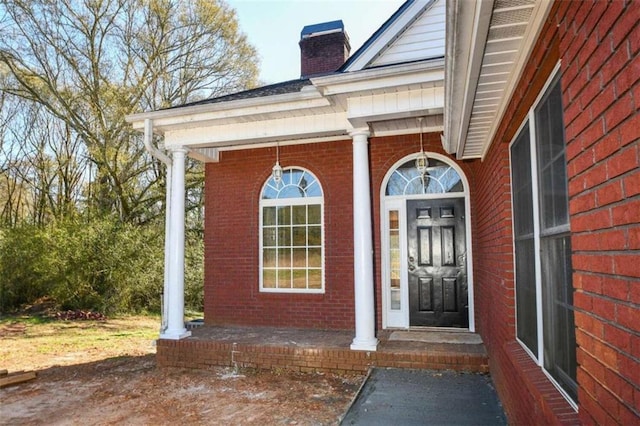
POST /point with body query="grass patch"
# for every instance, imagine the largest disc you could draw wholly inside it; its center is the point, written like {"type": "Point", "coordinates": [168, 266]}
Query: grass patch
{"type": "Point", "coordinates": [36, 342]}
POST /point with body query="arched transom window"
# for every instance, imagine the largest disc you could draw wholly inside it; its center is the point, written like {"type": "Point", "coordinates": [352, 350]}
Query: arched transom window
{"type": "Point", "coordinates": [291, 240]}
{"type": "Point", "coordinates": [439, 178]}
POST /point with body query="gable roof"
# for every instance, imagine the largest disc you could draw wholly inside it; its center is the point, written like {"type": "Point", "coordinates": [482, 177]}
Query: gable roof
{"type": "Point", "coordinates": [414, 32]}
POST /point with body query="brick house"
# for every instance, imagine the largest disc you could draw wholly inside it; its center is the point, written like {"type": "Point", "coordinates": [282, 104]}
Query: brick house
{"type": "Point", "coordinates": [484, 178]}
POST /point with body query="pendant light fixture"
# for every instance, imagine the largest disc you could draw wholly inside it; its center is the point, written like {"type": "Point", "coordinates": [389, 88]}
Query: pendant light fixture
{"type": "Point", "coordinates": [276, 172]}
{"type": "Point", "coordinates": [421, 160]}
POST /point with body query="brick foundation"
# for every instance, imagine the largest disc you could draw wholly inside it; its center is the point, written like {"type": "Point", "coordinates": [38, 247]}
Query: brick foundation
{"type": "Point", "coordinates": [203, 353]}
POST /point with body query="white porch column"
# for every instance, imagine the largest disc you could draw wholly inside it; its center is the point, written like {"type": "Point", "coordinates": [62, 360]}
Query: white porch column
{"type": "Point", "coordinates": [174, 298]}
{"type": "Point", "coordinates": [365, 339]}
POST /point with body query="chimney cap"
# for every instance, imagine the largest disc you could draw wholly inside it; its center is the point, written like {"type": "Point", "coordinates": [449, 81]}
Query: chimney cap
{"type": "Point", "coordinates": [323, 28]}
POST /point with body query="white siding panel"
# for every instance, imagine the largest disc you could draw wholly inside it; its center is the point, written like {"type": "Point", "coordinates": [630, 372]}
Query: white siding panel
{"type": "Point", "coordinates": [422, 39]}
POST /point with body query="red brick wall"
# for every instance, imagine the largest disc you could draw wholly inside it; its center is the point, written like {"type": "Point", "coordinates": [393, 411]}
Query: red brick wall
{"type": "Point", "coordinates": [232, 190]}
{"type": "Point", "coordinates": [598, 44]}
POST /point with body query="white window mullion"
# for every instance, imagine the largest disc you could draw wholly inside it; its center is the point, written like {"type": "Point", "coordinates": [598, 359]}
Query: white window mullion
{"type": "Point", "coordinates": [536, 236]}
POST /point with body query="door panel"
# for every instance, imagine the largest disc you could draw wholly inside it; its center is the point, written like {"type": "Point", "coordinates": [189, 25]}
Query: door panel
{"type": "Point", "coordinates": [426, 293]}
{"type": "Point", "coordinates": [437, 263]}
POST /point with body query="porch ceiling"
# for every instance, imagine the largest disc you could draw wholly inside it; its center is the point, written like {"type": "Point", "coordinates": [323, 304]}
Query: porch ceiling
{"type": "Point", "coordinates": [488, 43]}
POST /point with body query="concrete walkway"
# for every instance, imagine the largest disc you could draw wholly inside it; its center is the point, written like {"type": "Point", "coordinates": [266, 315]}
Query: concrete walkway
{"type": "Point", "coordinates": [425, 397]}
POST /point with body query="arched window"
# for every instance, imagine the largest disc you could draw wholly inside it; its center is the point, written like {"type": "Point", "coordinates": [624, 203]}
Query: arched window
{"type": "Point", "coordinates": [291, 234]}
{"type": "Point", "coordinates": [439, 178]}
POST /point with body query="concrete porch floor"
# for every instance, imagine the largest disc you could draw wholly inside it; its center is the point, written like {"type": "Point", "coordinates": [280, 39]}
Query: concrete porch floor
{"type": "Point", "coordinates": [323, 350]}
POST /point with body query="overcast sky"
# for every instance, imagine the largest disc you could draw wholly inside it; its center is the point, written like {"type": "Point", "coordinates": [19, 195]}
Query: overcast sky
{"type": "Point", "coordinates": [273, 27]}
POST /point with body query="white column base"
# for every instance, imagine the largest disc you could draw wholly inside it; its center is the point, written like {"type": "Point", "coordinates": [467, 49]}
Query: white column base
{"type": "Point", "coordinates": [175, 335]}
{"type": "Point", "coordinates": [364, 345]}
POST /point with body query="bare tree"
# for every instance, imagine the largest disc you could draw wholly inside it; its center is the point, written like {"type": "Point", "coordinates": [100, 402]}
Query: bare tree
{"type": "Point", "coordinates": [91, 62]}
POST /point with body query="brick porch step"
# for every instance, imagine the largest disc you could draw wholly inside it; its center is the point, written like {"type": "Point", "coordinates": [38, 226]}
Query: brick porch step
{"type": "Point", "coordinates": [322, 350]}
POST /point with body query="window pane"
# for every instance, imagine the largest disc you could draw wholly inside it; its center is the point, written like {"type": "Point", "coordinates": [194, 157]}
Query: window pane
{"type": "Point", "coordinates": [553, 194]}
{"type": "Point", "coordinates": [395, 300]}
{"type": "Point", "coordinates": [284, 215]}
{"type": "Point", "coordinates": [294, 176]}
{"type": "Point", "coordinates": [526, 295]}
{"type": "Point", "coordinates": [313, 190]}
{"type": "Point", "coordinates": [299, 278]}
{"type": "Point", "coordinates": [550, 149]}
{"type": "Point", "coordinates": [521, 184]}
{"type": "Point", "coordinates": [393, 220]}
{"type": "Point", "coordinates": [270, 192]}
{"type": "Point", "coordinates": [315, 278]}
{"type": "Point", "coordinates": [299, 258]}
{"type": "Point", "coordinates": [559, 330]}
{"type": "Point", "coordinates": [315, 257]}
{"type": "Point", "coordinates": [284, 278]}
{"type": "Point", "coordinates": [284, 257]}
{"type": "Point", "coordinates": [284, 236]}
{"type": "Point", "coordinates": [268, 278]}
{"type": "Point", "coordinates": [299, 215]}
{"type": "Point", "coordinates": [269, 216]}
{"type": "Point", "coordinates": [291, 191]}
{"type": "Point", "coordinates": [314, 214]}
{"type": "Point", "coordinates": [550, 126]}
{"type": "Point", "coordinates": [269, 237]}
{"type": "Point", "coordinates": [315, 238]}
{"type": "Point", "coordinates": [269, 258]}
{"type": "Point", "coordinates": [300, 236]}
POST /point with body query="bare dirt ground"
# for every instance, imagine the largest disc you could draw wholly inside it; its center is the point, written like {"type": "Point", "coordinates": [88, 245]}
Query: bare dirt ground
{"type": "Point", "coordinates": [120, 384]}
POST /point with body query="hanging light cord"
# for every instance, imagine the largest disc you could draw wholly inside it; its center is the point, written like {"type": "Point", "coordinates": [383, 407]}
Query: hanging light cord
{"type": "Point", "coordinates": [276, 172]}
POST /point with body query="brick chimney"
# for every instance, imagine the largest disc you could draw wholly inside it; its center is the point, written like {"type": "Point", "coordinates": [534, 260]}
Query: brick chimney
{"type": "Point", "coordinates": [323, 48]}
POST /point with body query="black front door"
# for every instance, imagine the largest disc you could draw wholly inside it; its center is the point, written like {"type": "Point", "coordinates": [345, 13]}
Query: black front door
{"type": "Point", "coordinates": [437, 263]}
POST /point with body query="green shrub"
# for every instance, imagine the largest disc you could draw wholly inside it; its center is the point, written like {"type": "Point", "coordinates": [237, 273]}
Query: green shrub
{"type": "Point", "coordinates": [101, 265]}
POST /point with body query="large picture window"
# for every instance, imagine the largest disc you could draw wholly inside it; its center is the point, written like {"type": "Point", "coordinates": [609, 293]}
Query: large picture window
{"type": "Point", "coordinates": [544, 288]}
{"type": "Point", "coordinates": [291, 241]}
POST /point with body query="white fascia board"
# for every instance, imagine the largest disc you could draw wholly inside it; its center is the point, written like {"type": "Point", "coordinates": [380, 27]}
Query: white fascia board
{"type": "Point", "coordinates": [167, 119]}
{"type": "Point", "coordinates": [466, 35]}
{"type": "Point", "coordinates": [430, 71]}
{"type": "Point", "coordinates": [390, 34]}
{"type": "Point", "coordinates": [538, 17]}
{"type": "Point", "coordinates": [249, 133]}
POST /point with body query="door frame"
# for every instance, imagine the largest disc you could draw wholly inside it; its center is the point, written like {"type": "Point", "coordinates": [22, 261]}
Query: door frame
{"type": "Point", "coordinates": [400, 318]}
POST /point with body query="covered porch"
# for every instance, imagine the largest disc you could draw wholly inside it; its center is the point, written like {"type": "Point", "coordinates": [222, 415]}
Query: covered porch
{"type": "Point", "coordinates": [308, 350]}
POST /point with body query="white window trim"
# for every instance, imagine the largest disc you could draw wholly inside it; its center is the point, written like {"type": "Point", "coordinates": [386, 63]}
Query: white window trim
{"type": "Point", "coordinates": [292, 202]}
{"type": "Point", "coordinates": [398, 202]}
{"type": "Point", "coordinates": [531, 120]}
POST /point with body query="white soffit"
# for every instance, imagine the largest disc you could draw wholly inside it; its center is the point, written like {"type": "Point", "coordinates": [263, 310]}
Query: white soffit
{"type": "Point", "coordinates": [491, 69]}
